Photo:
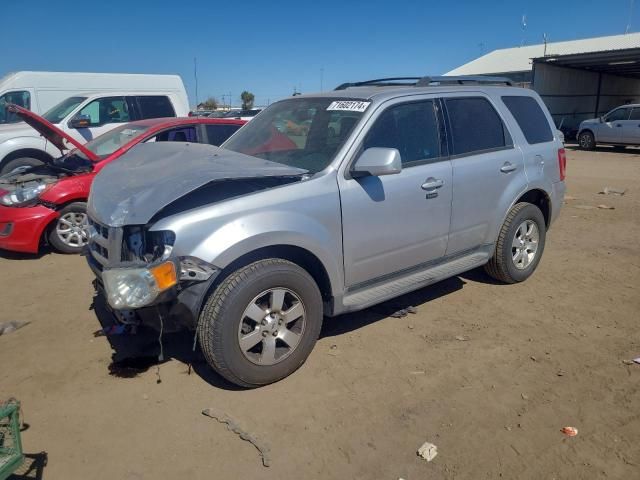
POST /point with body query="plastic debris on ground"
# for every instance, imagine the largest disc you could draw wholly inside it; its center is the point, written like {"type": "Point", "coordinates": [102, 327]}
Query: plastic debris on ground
{"type": "Point", "coordinates": [570, 431]}
{"type": "Point", "coordinates": [636, 360]}
{"type": "Point", "coordinates": [428, 451]}
{"type": "Point", "coordinates": [10, 327]}
{"type": "Point", "coordinates": [613, 191]}
{"type": "Point", "coordinates": [606, 207]}
{"type": "Point", "coordinates": [233, 426]}
{"type": "Point", "coordinates": [404, 312]}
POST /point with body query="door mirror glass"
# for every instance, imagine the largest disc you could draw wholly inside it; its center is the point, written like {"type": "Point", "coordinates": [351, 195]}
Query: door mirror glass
{"type": "Point", "coordinates": [80, 121]}
{"type": "Point", "coordinates": [377, 161]}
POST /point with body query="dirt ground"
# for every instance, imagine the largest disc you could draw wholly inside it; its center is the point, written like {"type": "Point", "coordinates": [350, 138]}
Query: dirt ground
{"type": "Point", "coordinates": [489, 373]}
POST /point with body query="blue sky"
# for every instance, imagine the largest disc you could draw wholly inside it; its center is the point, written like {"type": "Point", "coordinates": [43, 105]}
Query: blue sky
{"type": "Point", "coordinates": [270, 47]}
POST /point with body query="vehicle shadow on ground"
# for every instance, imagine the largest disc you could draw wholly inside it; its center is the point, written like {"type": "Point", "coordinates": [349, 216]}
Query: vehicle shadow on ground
{"type": "Point", "coordinates": [32, 468]}
{"type": "Point", "coordinates": [137, 353]}
{"type": "Point", "coordinates": [9, 255]}
{"type": "Point", "coordinates": [353, 321]}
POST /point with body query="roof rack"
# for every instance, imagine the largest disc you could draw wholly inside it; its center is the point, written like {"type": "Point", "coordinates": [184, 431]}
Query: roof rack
{"type": "Point", "coordinates": [428, 81]}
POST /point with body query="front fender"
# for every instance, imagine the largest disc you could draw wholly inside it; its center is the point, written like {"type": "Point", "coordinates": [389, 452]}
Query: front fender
{"type": "Point", "coordinates": [27, 142]}
{"type": "Point", "coordinates": [248, 233]}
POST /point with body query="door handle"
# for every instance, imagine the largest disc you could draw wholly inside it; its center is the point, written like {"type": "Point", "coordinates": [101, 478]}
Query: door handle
{"type": "Point", "coordinates": [618, 125]}
{"type": "Point", "coordinates": [508, 168]}
{"type": "Point", "coordinates": [432, 184]}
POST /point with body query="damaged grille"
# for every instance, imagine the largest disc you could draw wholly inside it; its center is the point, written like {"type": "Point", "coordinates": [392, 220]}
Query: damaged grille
{"type": "Point", "coordinates": [112, 246]}
{"type": "Point", "coordinates": [103, 244]}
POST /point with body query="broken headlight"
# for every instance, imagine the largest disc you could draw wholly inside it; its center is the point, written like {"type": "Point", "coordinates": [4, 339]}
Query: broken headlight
{"type": "Point", "coordinates": [142, 245]}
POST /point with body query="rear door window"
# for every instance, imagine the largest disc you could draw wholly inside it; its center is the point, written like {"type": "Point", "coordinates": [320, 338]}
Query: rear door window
{"type": "Point", "coordinates": [635, 114]}
{"type": "Point", "coordinates": [155, 106]}
{"type": "Point", "coordinates": [475, 126]}
{"type": "Point", "coordinates": [411, 128]}
{"type": "Point", "coordinates": [530, 117]}
{"type": "Point", "coordinates": [217, 134]}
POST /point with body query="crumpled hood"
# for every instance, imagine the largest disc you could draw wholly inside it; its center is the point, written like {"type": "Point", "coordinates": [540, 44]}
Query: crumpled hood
{"type": "Point", "coordinates": [150, 176]}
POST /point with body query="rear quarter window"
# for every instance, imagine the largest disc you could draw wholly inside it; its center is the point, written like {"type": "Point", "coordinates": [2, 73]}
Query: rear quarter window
{"type": "Point", "coordinates": [475, 126]}
{"type": "Point", "coordinates": [530, 117]}
{"type": "Point", "coordinates": [155, 106]}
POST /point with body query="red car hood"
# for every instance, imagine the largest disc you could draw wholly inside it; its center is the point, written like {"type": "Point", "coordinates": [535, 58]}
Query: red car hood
{"type": "Point", "coordinates": [50, 131]}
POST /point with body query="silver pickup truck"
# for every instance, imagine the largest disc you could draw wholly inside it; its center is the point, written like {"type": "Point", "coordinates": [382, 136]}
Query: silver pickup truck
{"type": "Point", "coordinates": [325, 204]}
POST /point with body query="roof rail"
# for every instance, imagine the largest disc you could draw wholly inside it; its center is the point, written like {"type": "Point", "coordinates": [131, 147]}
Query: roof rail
{"type": "Point", "coordinates": [463, 79]}
{"type": "Point", "coordinates": [381, 82]}
{"type": "Point", "coordinates": [428, 81]}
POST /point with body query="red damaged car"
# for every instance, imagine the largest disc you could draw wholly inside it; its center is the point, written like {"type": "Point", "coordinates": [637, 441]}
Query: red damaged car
{"type": "Point", "coordinates": [47, 203]}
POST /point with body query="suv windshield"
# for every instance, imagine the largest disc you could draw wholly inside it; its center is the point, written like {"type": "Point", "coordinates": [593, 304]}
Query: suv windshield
{"type": "Point", "coordinates": [61, 110]}
{"type": "Point", "coordinates": [303, 132]}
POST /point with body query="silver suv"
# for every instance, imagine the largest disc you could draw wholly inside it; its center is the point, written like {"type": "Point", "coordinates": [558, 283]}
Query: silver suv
{"type": "Point", "coordinates": [619, 127]}
{"type": "Point", "coordinates": [325, 204]}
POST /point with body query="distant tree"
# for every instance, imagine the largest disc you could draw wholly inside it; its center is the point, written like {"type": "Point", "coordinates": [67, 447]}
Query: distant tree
{"type": "Point", "coordinates": [209, 104]}
{"type": "Point", "coordinates": [247, 100]}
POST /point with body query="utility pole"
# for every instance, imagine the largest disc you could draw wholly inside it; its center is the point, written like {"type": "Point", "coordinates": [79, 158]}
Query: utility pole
{"type": "Point", "coordinates": [631, 2]}
{"type": "Point", "coordinates": [195, 74]}
{"type": "Point", "coordinates": [321, 79]}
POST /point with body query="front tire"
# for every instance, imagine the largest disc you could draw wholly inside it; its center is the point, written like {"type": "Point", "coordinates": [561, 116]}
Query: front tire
{"type": "Point", "coordinates": [69, 232]}
{"type": "Point", "coordinates": [587, 141]}
{"type": "Point", "coordinates": [261, 323]}
{"type": "Point", "coordinates": [520, 244]}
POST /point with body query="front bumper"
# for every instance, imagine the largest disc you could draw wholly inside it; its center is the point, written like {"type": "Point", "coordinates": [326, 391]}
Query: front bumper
{"type": "Point", "coordinates": [174, 309]}
{"type": "Point", "coordinates": [21, 228]}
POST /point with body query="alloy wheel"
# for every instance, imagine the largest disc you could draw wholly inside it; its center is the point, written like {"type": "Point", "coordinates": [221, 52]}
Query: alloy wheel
{"type": "Point", "coordinates": [272, 326]}
{"type": "Point", "coordinates": [525, 244]}
{"type": "Point", "coordinates": [72, 229]}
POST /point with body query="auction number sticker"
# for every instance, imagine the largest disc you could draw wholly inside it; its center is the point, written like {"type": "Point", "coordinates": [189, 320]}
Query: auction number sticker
{"type": "Point", "coordinates": [349, 105]}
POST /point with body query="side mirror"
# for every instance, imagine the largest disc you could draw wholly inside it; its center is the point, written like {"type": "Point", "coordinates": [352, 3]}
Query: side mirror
{"type": "Point", "coordinates": [602, 119]}
{"type": "Point", "coordinates": [80, 121]}
{"type": "Point", "coordinates": [377, 162]}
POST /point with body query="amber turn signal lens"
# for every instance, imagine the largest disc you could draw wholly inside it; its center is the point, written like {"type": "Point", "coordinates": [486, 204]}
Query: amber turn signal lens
{"type": "Point", "coordinates": [165, 275]}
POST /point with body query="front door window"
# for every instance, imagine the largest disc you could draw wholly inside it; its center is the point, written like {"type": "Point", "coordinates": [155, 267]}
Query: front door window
{"type": "Point", "coordinates": [21, 98]}
{"type": "Point", "coordinates": [106, 110]}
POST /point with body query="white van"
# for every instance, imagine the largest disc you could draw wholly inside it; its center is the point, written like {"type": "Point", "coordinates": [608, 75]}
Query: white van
{"type": "Point", "coordinates": [86, 115]}
{"type": "Point", "coordinates": [39, 91]}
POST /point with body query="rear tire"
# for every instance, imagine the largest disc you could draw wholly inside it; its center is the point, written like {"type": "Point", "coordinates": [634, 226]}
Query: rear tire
{"type": "Point", "coordinates": [520, 244]}
{"type": "Point", "coordinates": [68, 234]}
{"type": "Point", "coordinates": [586, 141]}
{"type": "Point", "coordinates": [244, 329]}
{"type": "Point", "coordinates": [11, 165]}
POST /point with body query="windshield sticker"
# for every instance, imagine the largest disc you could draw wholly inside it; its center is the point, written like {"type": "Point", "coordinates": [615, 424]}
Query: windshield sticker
{"type": "Point", "coordinates": [349, 105]}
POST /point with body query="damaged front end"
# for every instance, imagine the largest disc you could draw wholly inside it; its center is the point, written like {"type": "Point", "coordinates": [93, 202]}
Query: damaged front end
{"type": "Point", "coordinates": [142, 274]}
{"type": "Point", "coordinates": [141, 279]}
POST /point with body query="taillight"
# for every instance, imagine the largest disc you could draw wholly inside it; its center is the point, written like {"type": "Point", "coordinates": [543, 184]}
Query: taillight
{"type": "Point", "coordinates": [562, 163]}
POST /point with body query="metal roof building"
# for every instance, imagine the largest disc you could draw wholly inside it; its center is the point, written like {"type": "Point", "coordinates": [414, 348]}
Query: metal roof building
{"type": "Point", "coordinates": [577, 79]}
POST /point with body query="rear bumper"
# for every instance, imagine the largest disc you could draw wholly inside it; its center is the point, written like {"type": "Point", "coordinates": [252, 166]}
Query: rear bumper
{"type": "Point", "coordinates": [558, 190]}
{"type": "Point", "coordinates": [21, 228]}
